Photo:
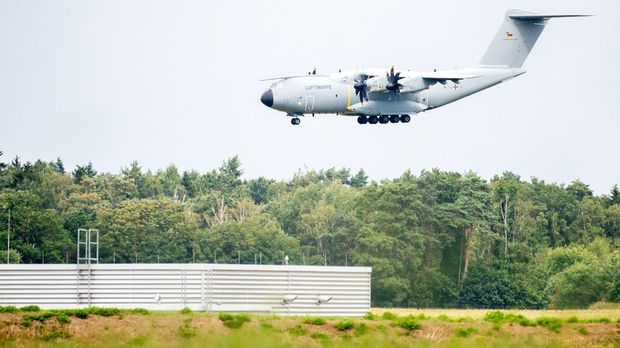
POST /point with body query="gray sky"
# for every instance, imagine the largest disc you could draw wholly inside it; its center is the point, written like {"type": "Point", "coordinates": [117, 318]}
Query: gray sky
{"type": "Point", "coordinates": [176, 82]}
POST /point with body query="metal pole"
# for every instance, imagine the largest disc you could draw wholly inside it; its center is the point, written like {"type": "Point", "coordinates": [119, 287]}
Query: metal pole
{"type": "Point", "coordinates": [8, 239]}
{"type": "Point", "coordinates": [238, 257]}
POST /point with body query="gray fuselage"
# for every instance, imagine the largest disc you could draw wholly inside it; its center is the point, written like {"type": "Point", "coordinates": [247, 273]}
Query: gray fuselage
{"type": "Point", "coordinates": [335, 94]}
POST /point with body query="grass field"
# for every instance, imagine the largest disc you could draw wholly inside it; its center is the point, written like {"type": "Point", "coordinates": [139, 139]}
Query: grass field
{"type": "Point", "coordinates": [382, 328]}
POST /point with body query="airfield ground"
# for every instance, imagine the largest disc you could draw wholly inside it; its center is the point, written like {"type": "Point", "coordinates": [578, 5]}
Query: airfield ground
{"type": "Point", "coordinates": [397, 328]}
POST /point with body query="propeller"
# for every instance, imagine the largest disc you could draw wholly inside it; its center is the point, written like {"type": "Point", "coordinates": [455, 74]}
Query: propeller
{"type": "Point", "coordinates": [392, 81]}
{"type": "Point", "coordinates": [360, 87]}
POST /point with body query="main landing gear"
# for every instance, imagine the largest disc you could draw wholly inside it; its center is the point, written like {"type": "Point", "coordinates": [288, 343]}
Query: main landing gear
{"type": "Point", "coordinates": [383, 119]}
{"type": "Point", "coordinates": [295, 121]}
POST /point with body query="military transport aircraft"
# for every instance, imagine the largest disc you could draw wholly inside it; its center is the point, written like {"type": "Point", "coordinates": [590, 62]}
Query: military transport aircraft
{"type": "Point", "coordinates": [382, 96]}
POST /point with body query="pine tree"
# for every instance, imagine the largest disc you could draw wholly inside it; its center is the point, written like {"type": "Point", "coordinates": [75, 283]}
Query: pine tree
{"type": "Point", "coordinates": [359, 180]}
{"type": "Point", "coordinates": [84, 171]}
{"type": "Point", "coordinates": [614, 197]}
{"type": "Point", "coordinates": [2, 164]}
{"type": "Point", "coordinates": [59, 166]}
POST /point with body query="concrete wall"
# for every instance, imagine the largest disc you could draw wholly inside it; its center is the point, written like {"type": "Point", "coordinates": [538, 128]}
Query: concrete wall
{"type": "Point", "coordinates": [283, 290]}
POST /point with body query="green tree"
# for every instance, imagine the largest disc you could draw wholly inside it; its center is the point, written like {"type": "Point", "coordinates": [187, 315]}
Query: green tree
{"type": "Point", "coordinates": [81, 172]}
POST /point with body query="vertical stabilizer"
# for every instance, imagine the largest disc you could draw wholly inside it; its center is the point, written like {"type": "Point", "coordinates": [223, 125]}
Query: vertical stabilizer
{"type": "Point", "coordinates": [516, 38]}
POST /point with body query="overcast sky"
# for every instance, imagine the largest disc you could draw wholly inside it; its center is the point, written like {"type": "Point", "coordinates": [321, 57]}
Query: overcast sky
{"type": "Point", "coordinates": [177, 82]}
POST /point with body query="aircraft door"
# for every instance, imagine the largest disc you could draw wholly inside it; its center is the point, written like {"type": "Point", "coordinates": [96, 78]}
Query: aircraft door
{"type": "Point", "coordinates": [309, 103]}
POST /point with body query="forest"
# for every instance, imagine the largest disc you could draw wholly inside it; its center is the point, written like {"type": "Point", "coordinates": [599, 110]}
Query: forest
{"type": "Point", "coordinates": [433, 239]}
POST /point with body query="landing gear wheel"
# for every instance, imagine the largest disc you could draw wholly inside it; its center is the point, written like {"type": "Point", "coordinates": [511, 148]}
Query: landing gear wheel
{"type": "Point", "coordinates": [394, 118]}
{"type": "Point", "coordinates": [405, 118]}
{"type": "Point", "coordinates": [362, 119]}
{"type": "Point", "coordinates": [373, 119]}
{"type": "Point", "coordinates": [295, 121]}
{"type": "Point", "coordinates": [383, 119]}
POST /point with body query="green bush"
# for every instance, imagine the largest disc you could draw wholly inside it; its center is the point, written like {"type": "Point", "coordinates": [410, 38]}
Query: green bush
{"type": "Point", "coordinates": [498, 318]}
{"type": "Point", "coordinates": [600, 320]}
{"type": "Point", "coordinates": [319, 336]}
{"type": "Point", "coordinates": [298, 330]}
{"type": "Point", "coordinates": [103, 312]}
{"type": "Point", "coordinates": [225, 316]}
{"type": "Point", "coordinates": [552, 324]}
{"type": "Point", "coordinates": [80, 313]}
{"type": "Point", "coordinates": [8, 309]}
{"type": "Point", "coordinates": [572, 320]}
{"type": "Point", "coordinates": [30, 309]}
{"type": "Point", "coordinates": [314, 321]}
{"type": "Point", "coordinates": [63, 318]}
{"type": "Point", "coordinates": [464, 331]}
{"type": "Point", "coordinates": [344, 325]}
{"type": "Point", "coordinates": [494, 317]}
{"type": "Point", "coordinates": [409, 323]}
{"type": "Point", "coordinates": [389, 316]}
{"type": "Point", "coordinates": [187, 330]}
{"type": "Point", "coordinates": [445, 318]}
{"type": "Point", "coordinates": [370, 316]}
{"type": "Point", "coordinates": [582, 330]}
{"type": "Point", "coordinates": [233, 321]}
{"type": "Point", "coordinates": [56, 334]}
{"type": "Point", "coordinates": [186, 311]}
{"type": "Point", "coordinates": [26, 321]}
{"type": "Point", "coordinates": [360, 329]}
{"type": "Point", "coordinates": [140, 311]}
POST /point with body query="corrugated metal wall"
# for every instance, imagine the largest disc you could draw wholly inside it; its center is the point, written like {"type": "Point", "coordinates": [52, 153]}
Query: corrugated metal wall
{"type": "Point", "coordinates": [284, 290]}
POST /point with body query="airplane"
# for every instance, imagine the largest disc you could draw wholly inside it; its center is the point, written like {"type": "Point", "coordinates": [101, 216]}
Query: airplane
{"type": "Point", "coordinates": [380, 96]}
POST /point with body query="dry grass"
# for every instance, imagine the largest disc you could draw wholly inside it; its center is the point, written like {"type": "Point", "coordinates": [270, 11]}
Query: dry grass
{"type": "Point", "coordinates": [584, 314]}
{"type": "Point", "coordinates": [161, 329]}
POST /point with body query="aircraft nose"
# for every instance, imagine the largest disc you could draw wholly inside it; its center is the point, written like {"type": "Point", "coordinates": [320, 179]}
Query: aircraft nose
{"type": "Point", "coordinates": [267, 98]}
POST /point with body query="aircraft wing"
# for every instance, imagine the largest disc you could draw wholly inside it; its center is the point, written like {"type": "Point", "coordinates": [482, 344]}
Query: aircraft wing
{"type": "Point", "coordinates": [425, 80]}
{"type": "Point", "coordinates": [447, 76]}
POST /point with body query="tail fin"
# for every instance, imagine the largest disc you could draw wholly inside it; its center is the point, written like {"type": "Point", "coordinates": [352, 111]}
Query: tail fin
{"type": "Point", "coordinates": [516, 38]}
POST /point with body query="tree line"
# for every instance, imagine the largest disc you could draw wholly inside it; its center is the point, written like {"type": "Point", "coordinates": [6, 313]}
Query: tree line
{"type": "Point", "coordinates": [434, 239]}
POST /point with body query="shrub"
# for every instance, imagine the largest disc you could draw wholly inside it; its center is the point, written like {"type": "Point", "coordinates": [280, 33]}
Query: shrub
{"type": "Point", "coordinates": [104, 312]}
{"type": "Point", "coordinates": [314, 321]}
{"type": "Point", "coordinates": [187, 330]}
{"type": "Point", "coordinates": [600, 320]}
{"type": "Point", "coordinates": [409, 323]}
{"type": "Point", "coordinates": [63, 318]}
{"type": "Point", "coordinates": [572, 320]}
{"type": "Point", "coordinates": [552, 324]}
{"type": "Point", "coordinates": [186, 311]}
{"type": "Point", "coordinates": [464, 331]}
{"type": "Point", "coordinates": [8, 309]}
{"type": "Point", "coordinates": [225, 316]}
{"type": "Point", "coordinates": [298, 330]}
{"type": "Point", "coordinates": [30, 309]}
{"type": "Point", "coordinates": [26, 321]}
{"type": "Point", "coordinates": [498, 318]}
{"type": "Point", "coordinates": [80, 313]}
{"type": "Point", "coordinates": [389, 316]}
{"type": "Point", "coordinates": [344, 325]}
{"type": "Point", "coordinates": [233, 321]}
{"type": "Point", "coordinates": [494, 317]}
{"type": "Point", "coordinates": [370, 316]}
{"type": "Point", "coordinates": [582, 330]}
{"type": "Point", "coordinates": [360, 329]}
{"type": "Point", "coordinates": [56, 334]}
{"type": "Point", "coordinates": [319, 336]}
{"type": "Point", "coordinates": [140, 311]}
{"type": "Point", "coordinates": [443, 317]}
